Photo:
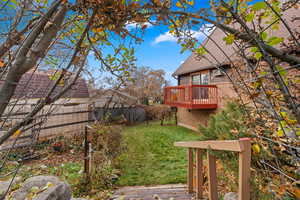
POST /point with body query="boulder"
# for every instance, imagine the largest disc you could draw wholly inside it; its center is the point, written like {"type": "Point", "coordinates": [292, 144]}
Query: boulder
{"type": "Point", "coordinates": [43, 188]}
{"type": "Point", "coordinates": [78, 199]}
{"type": "Point", "coordinates": [297, 171]}
{"type": "Point", "coordinates": [5, 184]}
{"type": "Point", "coordinates": [231, 196]}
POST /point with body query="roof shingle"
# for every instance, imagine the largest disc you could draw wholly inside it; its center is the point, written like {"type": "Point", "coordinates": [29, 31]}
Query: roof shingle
{"type": "Point", "coordinates": [38, 84]}
{"type": "Point", "coordinates": [215, 40]}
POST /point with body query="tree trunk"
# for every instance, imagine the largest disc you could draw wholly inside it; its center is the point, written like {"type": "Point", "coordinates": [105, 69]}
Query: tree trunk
{"type": "Point", "coordinates": [27, 56]}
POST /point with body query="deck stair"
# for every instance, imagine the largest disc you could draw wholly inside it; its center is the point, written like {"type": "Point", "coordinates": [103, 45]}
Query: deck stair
{"type": "Point", "coordinates": [160, 192]}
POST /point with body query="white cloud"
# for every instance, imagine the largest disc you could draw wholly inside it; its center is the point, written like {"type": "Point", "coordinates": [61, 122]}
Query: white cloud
{"type": "Point", "coordinates": [169, 37]}
{"type": "Point", "coordinates": [166, 37]}
{"type": "Point", "coordinates": [170, 78]}
{"type": "Point", "coordinates": [133, 25]}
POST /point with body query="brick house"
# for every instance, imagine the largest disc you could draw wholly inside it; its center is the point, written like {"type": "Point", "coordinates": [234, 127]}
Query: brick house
{"type": "Point", "coordinates": [203, 88]}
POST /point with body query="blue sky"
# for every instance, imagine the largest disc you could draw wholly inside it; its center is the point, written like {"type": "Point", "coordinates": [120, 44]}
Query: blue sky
{"type": "Point", "coordinates": [160, 50]}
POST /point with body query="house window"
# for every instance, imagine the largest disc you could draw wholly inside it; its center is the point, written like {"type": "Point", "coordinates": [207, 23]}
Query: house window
{"type": "Point", "coordinates": [184, 80]}
{"type": "Point", "coordinates": [204, 79]}
{"type": "Point", "coordinates": [196, 79]}
{"type": "Point", "coordinates": [200, 79]}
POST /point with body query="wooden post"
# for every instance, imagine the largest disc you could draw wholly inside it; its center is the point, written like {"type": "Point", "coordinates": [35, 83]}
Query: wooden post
{"type": "Point", "coordinates": [176, 119]}
{"type": "Point", "coordinates": [190, 170]}
{"type": "Point", "coordinates": [90, 156]}
{"type": "Point", "coordinates": [191, 94]}
{"type": "Point", "coordinates": [199, 173]}
{"type": "Point", "coordinates": [212, 177]}
{"type": "Point", "coordinates": [86, 150]}
{"type": "Point", "coordinates": [244, 169]}
{"type": "Point", "coordinates": [242, 146]}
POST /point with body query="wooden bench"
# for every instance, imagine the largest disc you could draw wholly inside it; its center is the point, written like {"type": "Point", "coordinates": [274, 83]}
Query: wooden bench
{"type": "Point", "coordinates": [241, 146]}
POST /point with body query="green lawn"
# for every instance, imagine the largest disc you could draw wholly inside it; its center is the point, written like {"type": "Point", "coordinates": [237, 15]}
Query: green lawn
{"type": "Point", "coordinates": [149, 156]}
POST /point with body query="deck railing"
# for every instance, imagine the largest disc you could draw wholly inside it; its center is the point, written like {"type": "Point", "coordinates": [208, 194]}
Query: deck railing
{"type": "Point", "coordinates": [242, 147]}
{"type": "Point", "coordinates": [192, 96]}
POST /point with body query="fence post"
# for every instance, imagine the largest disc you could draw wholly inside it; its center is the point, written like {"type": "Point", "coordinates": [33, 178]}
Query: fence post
{"type": "Point", "coordinates": [190, 170]}
{"type": "Point", "coordinates": [199, 173]}
{"type": "Point", "coordinates": [244, 169]}
{"type": "Point", "coordinates": [86, 151]}
{"type": "Point", "coordinates": [212, 177]}
{"type": "Point", "coordinates": [90, 156]}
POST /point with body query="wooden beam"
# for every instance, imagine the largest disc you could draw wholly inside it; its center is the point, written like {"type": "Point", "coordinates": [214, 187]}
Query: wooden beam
{"type": "Point", "coordinates": [244, 170]}
{"type": "Point", "coordinates": [190, 170]}
{"type": "Point", "coordinates": [227, 145]}
{"type": "Point", "coordinates": [212, 177]}
{"type": "Point", "coordinates": [199, 173]}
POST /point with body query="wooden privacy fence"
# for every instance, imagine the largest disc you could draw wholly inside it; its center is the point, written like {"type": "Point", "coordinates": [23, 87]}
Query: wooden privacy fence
{"type": "Point", "coordinates": [52, 121]}
{"type": "Point", "coordinates": [242, 147]}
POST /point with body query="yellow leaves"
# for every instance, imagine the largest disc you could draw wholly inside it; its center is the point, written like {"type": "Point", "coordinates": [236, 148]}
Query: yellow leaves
{"type": "Point", "coordinates": [201, 51]}
{"type": "Point", "coordinates": [229, 39]}
{"type": "Point", "coordinates": [55, 77]}
{"type": "Point", "coordinates": [17, 133]}
{"type": "Point", "coordinates": [179, 4]}
{"type": "Point", "coordinates": [280, 133]}
{"type": "Point", "coordinates": [2, 64]}
{"type": "Point", "coordinates": [283, 114]}
{"type": "Point", "coordinates": [177, 22]}
{"type": "Point", "coordinates": [292, 121]}
{"type": "Point", "coordinates": [223, 9]}
{"type": "Point", "coordinates": [157, 2]}
{"type": "Point", "coordinates": [259, 6]}
{"type": "Point", "coordinates": [191, 3]}
{"type": "Point", "coordinates": [298, 132]}
{"type": "Point", "coordinates": [258, 55]}
{"type": "Point", "coordinates": [35, 190]}
{"type": "Point", "coordinates": [97, 30]}
{"type": "Point", "coordinates": [269, 93]}
{"type": "Point", "coordinates": [256, 148]}
{"type": "Point", "coordinates": [80, 17]}
{"type": "Point", "coordinates": [93, 40]}
{"type": "Point", "coordinates": [296, 192]}
{"type": "Point", "coordinates": [250, 17]}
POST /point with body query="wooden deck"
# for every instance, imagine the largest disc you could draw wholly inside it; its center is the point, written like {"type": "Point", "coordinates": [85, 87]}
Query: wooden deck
{"type": "Point", "coordinates": [192, 96]}
{"type": "Point", "coordinates": [161, 192]}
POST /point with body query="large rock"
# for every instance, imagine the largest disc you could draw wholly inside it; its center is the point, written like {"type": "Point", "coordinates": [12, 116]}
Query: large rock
{"type": "Point", "coordinates": [231, 196]}
{"type": "Point", "coordinates": [5, 184]}
{"type": "Point", "coordinates": [78, 199]}
{"type": "Point", "coordinates": [44, 188]}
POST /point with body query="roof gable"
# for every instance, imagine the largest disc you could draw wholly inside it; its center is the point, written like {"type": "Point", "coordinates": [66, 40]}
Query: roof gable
{"type": "Point", "coordinates": [38, 84]}
{"type": "Point", "coordinates": [219, 50]}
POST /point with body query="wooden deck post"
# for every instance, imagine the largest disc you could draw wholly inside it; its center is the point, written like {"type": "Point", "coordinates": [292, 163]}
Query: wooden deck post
{"type": "Point", "coordinates": [212, 177]}
{"type": "Point", "coordinates": [241, 146]}
{"type": "Point", "coordinates": [244, 169]}
{"type": "Point", "coordinates": [190, 170]}
{"type": "Point", "coordinates": [86, 151]}
{"type": "Point", "coordinates": [199, 173]}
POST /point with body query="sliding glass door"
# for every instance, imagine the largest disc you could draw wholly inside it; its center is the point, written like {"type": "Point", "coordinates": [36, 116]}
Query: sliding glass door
{"type": "Point", "coordinates": [200, 79]}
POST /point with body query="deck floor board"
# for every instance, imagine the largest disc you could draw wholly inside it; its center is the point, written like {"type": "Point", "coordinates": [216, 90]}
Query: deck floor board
{"type": "Point", "coordinates": [161, 192]}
